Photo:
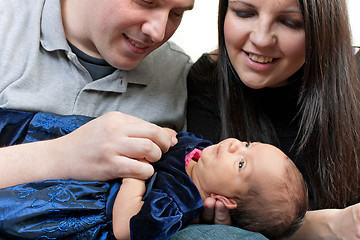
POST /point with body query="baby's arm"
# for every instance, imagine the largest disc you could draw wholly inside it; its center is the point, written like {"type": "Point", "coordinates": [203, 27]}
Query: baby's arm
{"type": "Point", "coordinates": [128, 203]}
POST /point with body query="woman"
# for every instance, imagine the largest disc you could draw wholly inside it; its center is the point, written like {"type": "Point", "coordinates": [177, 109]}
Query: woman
{"type": "Point", "coordinates": [285, 74]}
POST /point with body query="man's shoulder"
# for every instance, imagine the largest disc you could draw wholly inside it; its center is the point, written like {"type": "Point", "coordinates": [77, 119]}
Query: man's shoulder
{"type": "Point", "coordinates": [19, 8]}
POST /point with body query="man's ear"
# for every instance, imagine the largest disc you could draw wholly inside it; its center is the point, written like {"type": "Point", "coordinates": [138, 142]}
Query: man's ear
{"type": "Point", "coordinates": [229, 203]}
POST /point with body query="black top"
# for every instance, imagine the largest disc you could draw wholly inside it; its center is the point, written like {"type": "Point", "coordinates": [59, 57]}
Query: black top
{"type": "Point", "coordinates": [98, 68]}
{"type": "Point", "coordinates": [279, 104]}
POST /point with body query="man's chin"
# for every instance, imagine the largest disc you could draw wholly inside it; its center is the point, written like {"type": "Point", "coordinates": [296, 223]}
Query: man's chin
{"type": "Point", "coordinates": [128, 64]}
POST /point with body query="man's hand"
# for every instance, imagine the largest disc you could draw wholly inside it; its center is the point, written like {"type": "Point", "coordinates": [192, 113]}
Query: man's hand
{"type": "Point", "coordinates": [111, 146]}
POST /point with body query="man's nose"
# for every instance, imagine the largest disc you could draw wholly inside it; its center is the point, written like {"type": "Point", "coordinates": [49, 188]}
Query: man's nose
{"type": "Point", "coordinates": [155, 26]}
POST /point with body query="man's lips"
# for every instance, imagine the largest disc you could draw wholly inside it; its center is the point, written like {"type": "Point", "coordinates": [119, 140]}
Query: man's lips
{"type": "Point", "coordinates": [137, 43]}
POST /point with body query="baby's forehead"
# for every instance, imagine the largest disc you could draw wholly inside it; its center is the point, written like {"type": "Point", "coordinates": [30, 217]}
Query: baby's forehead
{"type": "Point", "coordinates": [275, 174]}
{"type": "Point", "coordinates": [266, 153]}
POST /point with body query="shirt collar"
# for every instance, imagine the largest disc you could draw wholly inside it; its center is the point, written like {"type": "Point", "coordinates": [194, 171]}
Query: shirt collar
{"type": "Point", "coordinates": [52, 29]}
{"type": "Point", "coordinates": [142, 74]}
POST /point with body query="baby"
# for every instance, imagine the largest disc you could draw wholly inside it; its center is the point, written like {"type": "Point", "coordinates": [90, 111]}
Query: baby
{"type": "Point", "coordinates": [261, 186]}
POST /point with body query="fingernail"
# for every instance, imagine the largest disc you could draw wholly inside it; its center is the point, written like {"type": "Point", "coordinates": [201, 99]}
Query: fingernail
{"type": "Point", "coordinates": [174, 141]}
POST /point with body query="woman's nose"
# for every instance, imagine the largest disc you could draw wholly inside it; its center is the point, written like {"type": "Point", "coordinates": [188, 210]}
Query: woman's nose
{"type": "Point", "coordinates": [262, 35]}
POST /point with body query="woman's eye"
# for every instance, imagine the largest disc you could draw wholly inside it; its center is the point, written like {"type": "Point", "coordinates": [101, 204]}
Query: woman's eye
{"type": "Point", "coordinates": [243, 13]}
{"type": "Point", "coordinates": [291, 23]}
{"type": "Point", "coordinates": [247, 145]}
{"type": "Point", "coordinates": [241, 164]}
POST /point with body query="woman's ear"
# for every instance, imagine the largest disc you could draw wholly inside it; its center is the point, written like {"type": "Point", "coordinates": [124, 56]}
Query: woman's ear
{"type": "Point", "coordinates": [229, 203]}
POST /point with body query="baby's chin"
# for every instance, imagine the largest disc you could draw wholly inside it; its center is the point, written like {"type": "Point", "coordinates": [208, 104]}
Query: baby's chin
{"type": "Point", "coordinates": [212, 151]}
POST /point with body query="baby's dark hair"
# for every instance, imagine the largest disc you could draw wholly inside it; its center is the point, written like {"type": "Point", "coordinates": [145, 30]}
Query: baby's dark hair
{"type": "Point", "coordinates": [276, 215]}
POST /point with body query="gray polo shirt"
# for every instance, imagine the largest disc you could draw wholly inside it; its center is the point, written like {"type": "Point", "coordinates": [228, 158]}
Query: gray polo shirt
{"type": "Point", "coordinates": [39, 72]}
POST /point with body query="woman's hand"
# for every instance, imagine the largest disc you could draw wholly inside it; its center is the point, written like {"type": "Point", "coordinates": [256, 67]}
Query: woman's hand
{"type": "Point", "coordinates": [345, 223]}
{"type": "Point", "coordinates": [331, 224]}
{"type": "Point", "coordinates": [215, 212]}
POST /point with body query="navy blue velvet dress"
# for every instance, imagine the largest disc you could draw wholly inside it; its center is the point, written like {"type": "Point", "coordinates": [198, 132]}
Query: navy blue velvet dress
{"type": "Point", "coordinates": [72, 209]}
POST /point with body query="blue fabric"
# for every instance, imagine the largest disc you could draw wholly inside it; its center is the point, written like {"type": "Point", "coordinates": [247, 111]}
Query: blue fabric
{"type": "Point", "coordinates": [44, 126]}
{"type": "Point", "coordinates": [21, 127]}
{"type": "Point", "coordinates": [57, 209]}
{"type": "Point", "coordinates": [70, 209]}
{"type": "Point", "coordinates": [13, 126]}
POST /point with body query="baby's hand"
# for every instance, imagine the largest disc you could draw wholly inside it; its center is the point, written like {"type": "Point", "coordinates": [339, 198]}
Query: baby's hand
{"type": "Point", "coordinates": [128, 203]}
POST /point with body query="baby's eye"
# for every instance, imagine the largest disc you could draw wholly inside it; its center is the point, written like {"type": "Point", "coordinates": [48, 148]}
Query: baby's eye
{"type": "Point", "coordinates": [241, 164]}
{"type": "Point", "coordinates": [247, 145]}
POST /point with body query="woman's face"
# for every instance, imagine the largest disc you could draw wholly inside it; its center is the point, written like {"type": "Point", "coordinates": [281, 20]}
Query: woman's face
{"type": "Point", "coordinates": [265, 40]}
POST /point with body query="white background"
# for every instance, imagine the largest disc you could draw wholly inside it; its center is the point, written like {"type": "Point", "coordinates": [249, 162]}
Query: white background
{"type": "Point", "coordinates": [198, 31]}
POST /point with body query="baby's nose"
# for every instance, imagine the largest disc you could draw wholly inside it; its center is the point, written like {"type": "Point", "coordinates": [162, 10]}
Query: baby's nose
{"type": "Point", "coordinates": [234, 146]}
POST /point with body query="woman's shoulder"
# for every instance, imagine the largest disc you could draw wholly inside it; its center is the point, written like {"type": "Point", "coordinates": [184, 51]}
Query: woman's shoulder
{"type": "Point", "coordinates": [205, 64]}
{"type": "Point", "coordinates": [203, 73]}
{"type": "Point", "coordinates": [202, 108]}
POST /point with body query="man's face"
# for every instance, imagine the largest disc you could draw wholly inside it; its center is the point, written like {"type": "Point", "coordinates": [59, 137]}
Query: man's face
{"type": "Point", "coordinates": [124, 32]}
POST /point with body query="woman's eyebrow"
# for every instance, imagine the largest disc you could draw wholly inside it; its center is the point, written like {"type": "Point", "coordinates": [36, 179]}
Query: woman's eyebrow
{"type": "Point", "coordinates": [243, 2]}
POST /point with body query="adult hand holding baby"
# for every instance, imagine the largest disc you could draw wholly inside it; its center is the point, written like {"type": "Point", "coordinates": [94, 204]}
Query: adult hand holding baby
{"type": "Point", "coordinates": [105, 148]}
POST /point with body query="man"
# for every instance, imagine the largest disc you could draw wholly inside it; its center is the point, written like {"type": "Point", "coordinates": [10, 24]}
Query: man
{"type": "Point", "coordinates": [111, 38]}
{"type": "Point", "coordinates": [91, 57]}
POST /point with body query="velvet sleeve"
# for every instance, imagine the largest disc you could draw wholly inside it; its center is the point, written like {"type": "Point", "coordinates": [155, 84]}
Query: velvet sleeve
{"type": "Point", "coordinates": [161, 217]}
{"type": "Point", "coordinates": [172, 201]}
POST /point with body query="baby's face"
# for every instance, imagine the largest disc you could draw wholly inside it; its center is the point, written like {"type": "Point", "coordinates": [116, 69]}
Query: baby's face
{"type": "Point", "coordinates": [232, 167]}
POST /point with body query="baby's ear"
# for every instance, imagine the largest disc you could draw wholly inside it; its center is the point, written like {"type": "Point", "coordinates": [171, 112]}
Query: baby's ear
{"type": "Point", "coordinates": [229, 203]}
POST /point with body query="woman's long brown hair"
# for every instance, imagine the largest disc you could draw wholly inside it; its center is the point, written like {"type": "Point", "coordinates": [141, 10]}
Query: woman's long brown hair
{"type": "Point", "coordinates": [329, 133]}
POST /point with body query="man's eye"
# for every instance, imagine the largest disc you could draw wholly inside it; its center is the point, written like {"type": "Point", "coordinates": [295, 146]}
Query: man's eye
{"type": "Point", "coordinates": [178, 14]}
{"type": "Point", "coordinates": [241, 164]}
{"type": "Point", "coordinates": [147, 1]}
